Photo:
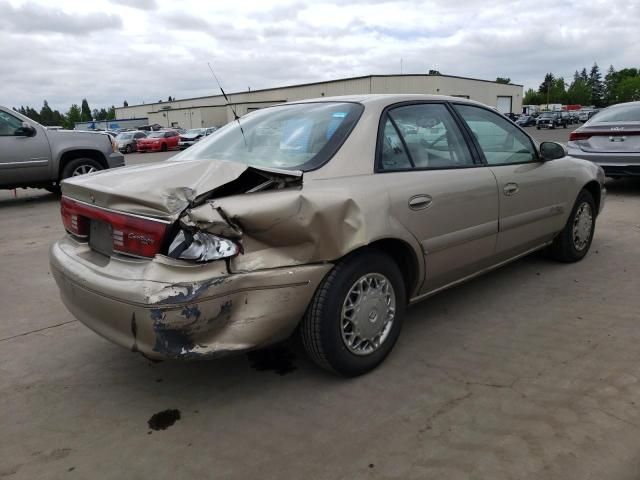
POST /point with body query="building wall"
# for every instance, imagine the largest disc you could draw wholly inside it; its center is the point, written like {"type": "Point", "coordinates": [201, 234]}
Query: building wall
{"type": "Point", "coordinates": [209, 107]}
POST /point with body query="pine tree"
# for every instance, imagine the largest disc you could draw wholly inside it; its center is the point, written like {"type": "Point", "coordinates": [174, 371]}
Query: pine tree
{"type": "Point", "coordinates": [595, 82]}
{"type": "Point", "coordinates": [73, 115]}
{"type": "Point", "coordinates": [609, 85]}
{"type": "Point", "coordinates": [85, 111]}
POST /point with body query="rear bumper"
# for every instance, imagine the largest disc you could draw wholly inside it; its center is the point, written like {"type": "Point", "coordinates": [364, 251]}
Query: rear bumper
{"type": "Point", "coordinates": [149, 148]}
{"type": "Point", "coordinates": [614, 165]}
{"type": "Point", "coordinates": [201, 312]}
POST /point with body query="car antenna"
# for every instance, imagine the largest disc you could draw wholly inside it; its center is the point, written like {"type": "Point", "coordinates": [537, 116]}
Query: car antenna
{"type": "Point", "coordinates": [235, 115]}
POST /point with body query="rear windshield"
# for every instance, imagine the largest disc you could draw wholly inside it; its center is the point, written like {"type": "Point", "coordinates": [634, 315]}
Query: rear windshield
{"type": "Point", "coordinates": [125, 136]}
{"type": "Point", "coordinates": [625, 113]}
{"type": "Point", "coordinates": [156, 135]}
{"type": "Point", "coordinates": [298, 136]}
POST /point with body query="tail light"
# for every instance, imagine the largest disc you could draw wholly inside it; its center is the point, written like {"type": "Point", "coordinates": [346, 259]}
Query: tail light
{"type": "Point", "coordinates": [130, 234]}
{"type": "Point", "coordinates": [573, 136]}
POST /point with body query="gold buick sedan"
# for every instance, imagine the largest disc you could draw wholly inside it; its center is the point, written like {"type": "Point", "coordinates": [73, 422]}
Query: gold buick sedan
{"type": "Point", "coordinates": [327, 217]}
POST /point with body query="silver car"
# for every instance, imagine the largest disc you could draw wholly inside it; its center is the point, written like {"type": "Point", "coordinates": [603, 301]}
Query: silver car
{"type": "Point", "coordinates": [327, 217]}
{"type": "Point", "coordinates": [610, 139]}
{"type": "Point", "coordinates": [128, 141]}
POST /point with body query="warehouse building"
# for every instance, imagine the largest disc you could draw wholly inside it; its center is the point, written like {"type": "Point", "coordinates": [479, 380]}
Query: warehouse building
{"type": "Point", "coordinates": [213, 111]}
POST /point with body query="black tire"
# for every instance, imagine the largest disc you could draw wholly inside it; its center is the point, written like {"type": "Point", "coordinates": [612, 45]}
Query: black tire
{"type": "Point", "coordinates": [163, 148]}
{"type": "Point", "coordinates": [564, 125]}
{"type": "Point", "coordinates": [321, 328]}
{"type": "Point", "coordinates": [128, 149]}
{"type": "Point", "coordinates": [78, 163]}
{"type": "Point", "coordinates": [55, 189]}
{"type": "Point", "coordinates": [537, 128]}
{"type": "Point", "coordinates": [564, 247]}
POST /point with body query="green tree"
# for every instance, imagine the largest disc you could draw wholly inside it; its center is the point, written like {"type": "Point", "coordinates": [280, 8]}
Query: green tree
{"type": "Point", "coordinates": [558, 92]}
{"type": "Point", "coordinates": [73, 115]}
{"type": "Point", "coordinates": [547, 83]}
{"type": "Point", "coordinates": [505, 80]}
{"type": "Point", "coordinates": [595, 83]}
{"type": "Point", "coordinates": [85, 111]}
{"type": "Point", "coordinates": [628, 89]}
{"type": "Point", "coordinates": [32, 114]}
{"type": "Point", "coordinates": [578, 92]}
{"type": "Point", "coordinates": [125, 104]}
{"type": "Point", "coordinates": [531, 97]}
{"type": "Point", "coordinates": [111, 113]}
{"type": "Point", "coordinates": [46, 114]}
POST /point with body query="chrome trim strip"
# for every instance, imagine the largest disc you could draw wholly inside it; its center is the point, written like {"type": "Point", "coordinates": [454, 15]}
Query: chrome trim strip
{"type": "Point", "coordinates": [476, 274]}
{"type": "Point", "coordinates": [143, 217]}
{"type": "Point", "coordinates": [44, 161]}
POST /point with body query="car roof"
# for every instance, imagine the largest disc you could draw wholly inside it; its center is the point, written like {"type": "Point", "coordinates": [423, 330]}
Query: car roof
{"type": "Point", "coordinates": [388, 99]}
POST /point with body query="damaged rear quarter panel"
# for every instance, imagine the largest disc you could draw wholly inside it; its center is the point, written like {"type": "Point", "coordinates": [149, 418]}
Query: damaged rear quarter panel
{"type": "Point", "coordinates": [320, 222]}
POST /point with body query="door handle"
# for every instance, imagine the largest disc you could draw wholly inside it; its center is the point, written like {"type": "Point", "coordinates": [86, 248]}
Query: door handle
{"type": "Point", "coordinates": [420, 202]}
{"type": "Point", "coordinates": [510, 189]}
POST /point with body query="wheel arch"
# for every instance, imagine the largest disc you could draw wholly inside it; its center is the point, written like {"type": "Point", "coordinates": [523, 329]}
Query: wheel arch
{"type": "Point", "coordinates": [405, 257]}
{"type": "Point", "coordinates": [70, 155]}
{"type": "Point", "coordinates": [593, 187]}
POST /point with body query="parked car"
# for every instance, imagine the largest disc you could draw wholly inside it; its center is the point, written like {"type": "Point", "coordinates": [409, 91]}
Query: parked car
{"type": "Point", "coordinates": [573, 117]}
{"type": "Point", "coordinates": [153, 127]}
{"type": "Point", "coordinates": [511, 116]}
{"type": "Point", "coordinates": [190, 137]}
{"type": "Point", "coordinates": [127, 141]}
{"type": "Point", "coordinates": [33, 156]}
{"type": "Point", "coordinates": [160, 141]}
{"type": "Point", "coordinates": [585, 115]}
{"type": "Point", "coordinates": [610, 139]}
{"type": "Point", "coordinates": [551, 120]}
{"type": "Point", "coordinates": [320, 216]}
{"type": "Point", "coordinates": [526, 121]}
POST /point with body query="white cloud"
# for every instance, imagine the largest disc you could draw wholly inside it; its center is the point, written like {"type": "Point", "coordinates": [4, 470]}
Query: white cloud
{"type": "Point", "coordinates": [112, 50]}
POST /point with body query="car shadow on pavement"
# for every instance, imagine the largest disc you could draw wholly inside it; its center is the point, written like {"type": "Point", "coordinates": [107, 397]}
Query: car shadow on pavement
{"type": "Point", "coordinates": [26, 197]}
{"type": "Point", "coordinates": [623, 186]}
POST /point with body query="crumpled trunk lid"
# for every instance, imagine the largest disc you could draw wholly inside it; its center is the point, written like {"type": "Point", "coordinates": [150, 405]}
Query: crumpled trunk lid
{"type": "Point", "coordinates": [165, 189]}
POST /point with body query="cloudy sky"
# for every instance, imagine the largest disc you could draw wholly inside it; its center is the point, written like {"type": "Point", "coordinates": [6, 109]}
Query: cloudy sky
{"type": "Point", "coordinates": [144, 50]}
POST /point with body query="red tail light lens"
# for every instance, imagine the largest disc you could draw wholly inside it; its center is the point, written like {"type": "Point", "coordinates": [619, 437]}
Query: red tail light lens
{"type": "Point", "coordinates": [131, 235]}
{"type": "Point", "coordinates": [573, 136]}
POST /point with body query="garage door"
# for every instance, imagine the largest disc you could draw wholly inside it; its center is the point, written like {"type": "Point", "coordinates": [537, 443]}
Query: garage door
{"type": "Point", "coordinates": [504, 104]}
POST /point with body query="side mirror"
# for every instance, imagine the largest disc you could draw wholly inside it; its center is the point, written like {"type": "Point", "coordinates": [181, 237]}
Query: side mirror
{"type": "Point", "coordinates": [552, 151]}
{"type": "Point", "coordinates": [25, 130]}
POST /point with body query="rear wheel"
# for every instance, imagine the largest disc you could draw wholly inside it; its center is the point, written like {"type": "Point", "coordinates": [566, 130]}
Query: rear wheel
{"type": "Point", "coordinates": [355, 316]}
{"type": "Point", "coordinates": [128, 149]}
{"type": "Point", "coordinates": [163, 148]}
{"type": "Point", "coordinates": [574, 241]}
{"type": "Point", "coordinates": [80, 166]}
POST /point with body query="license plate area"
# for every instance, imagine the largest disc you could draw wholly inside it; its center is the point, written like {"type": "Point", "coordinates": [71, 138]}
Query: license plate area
{"type": "Point", "coordinates": [101, 237]}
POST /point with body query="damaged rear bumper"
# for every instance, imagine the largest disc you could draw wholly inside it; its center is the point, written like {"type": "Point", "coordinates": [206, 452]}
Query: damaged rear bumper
{"type": "Point", "coordinates": [202, 312]}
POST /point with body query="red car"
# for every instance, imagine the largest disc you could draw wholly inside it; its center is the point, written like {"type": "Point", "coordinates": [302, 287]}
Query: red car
{"type": "Point", "coordinates": [160, 141]}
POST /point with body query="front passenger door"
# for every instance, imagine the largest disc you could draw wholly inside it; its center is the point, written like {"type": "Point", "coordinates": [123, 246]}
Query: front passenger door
{"type": "Point", "coordinates": [23, 158]}
{"type": "Point", "coordinates": [439, 191]}
{"type": "Point", "coordinates": [532, 192]}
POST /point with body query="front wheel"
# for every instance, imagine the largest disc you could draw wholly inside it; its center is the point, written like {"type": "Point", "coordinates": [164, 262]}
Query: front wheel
{"type": "Point", "coordinates": [163, 148]}
{"type": "Point", "coordinates": [128, 149]}
{"type": "Point", "coordinates": [574, 241]}
{"type": "Point", "coordinates": [80, 166]}
{"type": "Point", "coordinates": [355, 316]}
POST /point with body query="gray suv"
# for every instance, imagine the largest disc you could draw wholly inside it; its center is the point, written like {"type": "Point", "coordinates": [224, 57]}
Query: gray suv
{"type": "Point", "coordinates": [33, 156]}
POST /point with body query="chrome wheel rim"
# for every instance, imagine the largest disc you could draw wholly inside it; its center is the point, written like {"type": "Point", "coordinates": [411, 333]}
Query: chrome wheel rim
{"type": "Point", "coordinates": [368, 312]}
{"type": "Point", "coordinates": [83, 169]}
{"type": "Point", "coordinates": [582, 226]}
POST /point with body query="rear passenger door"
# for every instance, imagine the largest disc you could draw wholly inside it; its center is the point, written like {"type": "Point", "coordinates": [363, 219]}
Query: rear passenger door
{"type": "Point", "coordinates": [532, 192]}
{"type": "Point", "coordinates": [438, 190]}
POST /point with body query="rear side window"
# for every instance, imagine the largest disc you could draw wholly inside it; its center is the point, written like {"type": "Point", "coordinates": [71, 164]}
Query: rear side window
{"type": "Point", "coordinates": [423, 136]}
{"type": "Point", "coordinates": [499, 139]}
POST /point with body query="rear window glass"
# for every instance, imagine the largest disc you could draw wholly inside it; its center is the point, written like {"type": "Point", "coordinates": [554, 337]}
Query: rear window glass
{"type": "Point", "coordinates": [298, 136]}
{"type": "Point", "coordinates": [626, 113]}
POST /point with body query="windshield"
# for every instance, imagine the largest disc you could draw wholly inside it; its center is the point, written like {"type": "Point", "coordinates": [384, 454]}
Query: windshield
{"type": "Point", "coordinates": [547, 114]}
{"type": "Point", "coordinates": [195, 131]}
{"type": "Point", "coordinates": [625, 113]}
{"type": "Point", "coordinates": [124, 136]}
{"type": "Point", "coordinates": [156, 135]}
{"type": "Point", "coordinates": [298, 136]}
